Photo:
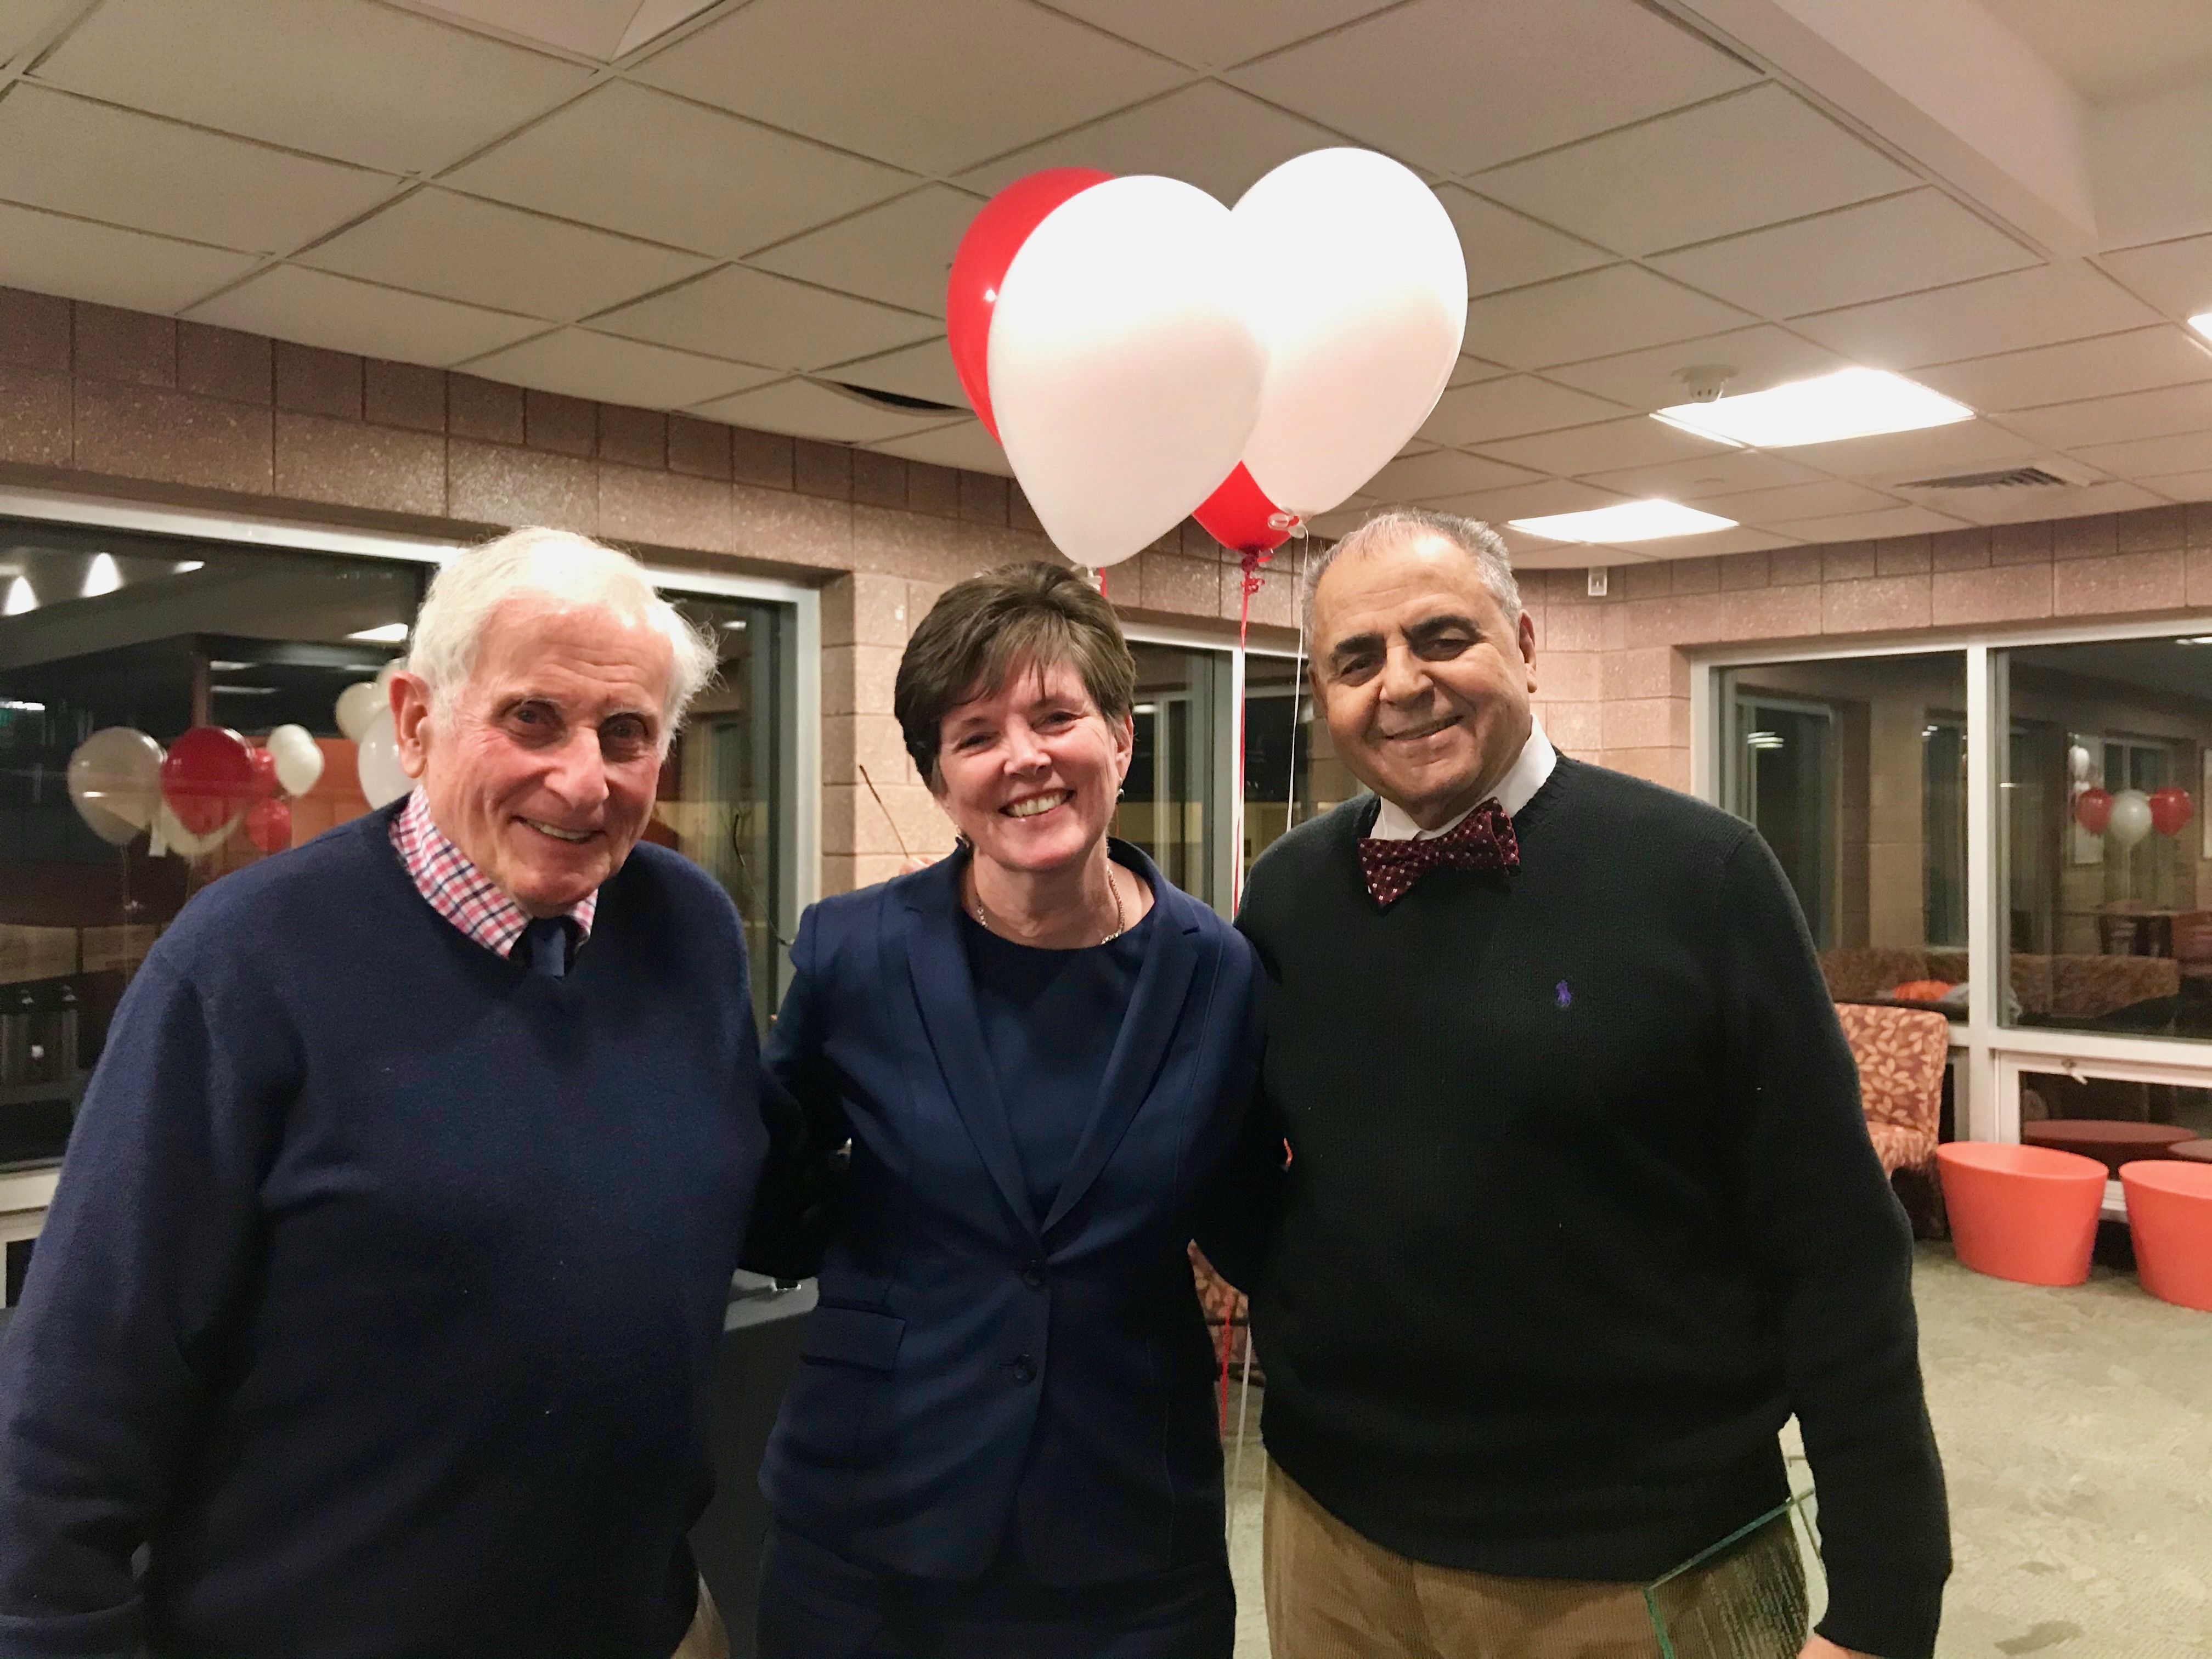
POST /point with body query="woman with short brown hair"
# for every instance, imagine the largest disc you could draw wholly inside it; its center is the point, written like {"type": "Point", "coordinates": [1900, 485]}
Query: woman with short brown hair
{"type": "Point", "coordinates": [1002, 1438]}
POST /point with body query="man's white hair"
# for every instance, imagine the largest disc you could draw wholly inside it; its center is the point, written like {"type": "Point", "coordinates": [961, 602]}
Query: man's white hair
{"type": "Point", "coordinates": [1471, 536]}
{"type": "Point", "coordinates": [559, 565]}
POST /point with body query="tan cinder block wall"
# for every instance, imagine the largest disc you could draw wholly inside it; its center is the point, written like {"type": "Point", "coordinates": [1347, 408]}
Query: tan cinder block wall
{"type": "Point", "coordinates": [118, 403]}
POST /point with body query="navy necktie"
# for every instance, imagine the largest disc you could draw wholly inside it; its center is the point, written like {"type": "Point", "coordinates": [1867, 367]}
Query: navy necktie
{"type": "Point", "coordinates": [544, 946]}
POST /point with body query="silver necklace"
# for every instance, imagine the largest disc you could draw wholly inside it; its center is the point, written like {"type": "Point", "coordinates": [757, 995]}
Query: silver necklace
{"type": "Point", "coordinates": [1121, 922]}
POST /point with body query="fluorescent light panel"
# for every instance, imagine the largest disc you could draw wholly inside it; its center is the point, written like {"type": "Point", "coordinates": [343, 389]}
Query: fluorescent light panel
{"type": "Point", "coordinates": [1630, 521]}
{"type": "Point", "coordinates": [1852, 403]}
{"type": "Point", "coordinates": [383, 634]}
{"type": "Point", "coordinates": [2202, 322]}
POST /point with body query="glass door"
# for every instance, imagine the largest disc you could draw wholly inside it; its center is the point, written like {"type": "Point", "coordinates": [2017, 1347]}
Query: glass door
{"type": "Point", "coordinates": [1168, 800]}
{"type": "Point", "coordinates": [1784, 757]}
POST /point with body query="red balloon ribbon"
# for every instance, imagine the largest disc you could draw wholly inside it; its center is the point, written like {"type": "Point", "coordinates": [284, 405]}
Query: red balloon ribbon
{"type": "Point", "coordinates": [994, 237]}
{"type": "Point", "coordinates": [1241, 517]}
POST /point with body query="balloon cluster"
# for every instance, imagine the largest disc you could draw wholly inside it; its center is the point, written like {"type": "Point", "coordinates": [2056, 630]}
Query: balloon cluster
{"type": "Point", "coordinates": [1143, 353]}
{"type": "Point", "coordinates": [211, 781]}
{"type": "Point", "coordinates": [189, 797]}
{"type": "Point", "coordinates": [2130, 815]}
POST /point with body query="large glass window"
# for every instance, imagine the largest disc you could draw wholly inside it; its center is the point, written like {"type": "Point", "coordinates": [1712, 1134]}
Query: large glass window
{"type": "Point", "coordinates": [1168, 800]}
{"type": "Point", "coordinates": [1855, 771]}
{"type": "Point", "coordinates": [1291, 772]}
{"type": "Point", "coordinates": [2106, 860]}
{"type": "Point", "coordinates": [144, 639]}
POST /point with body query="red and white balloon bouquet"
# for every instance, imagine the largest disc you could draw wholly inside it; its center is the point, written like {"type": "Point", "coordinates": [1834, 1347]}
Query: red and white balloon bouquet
{"type": "Point", "coordinates": [1142, 352]}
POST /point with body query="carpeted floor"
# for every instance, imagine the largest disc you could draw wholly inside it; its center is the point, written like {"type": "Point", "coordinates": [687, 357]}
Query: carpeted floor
{"type": "Point", "coordinates": [2076, 1429]}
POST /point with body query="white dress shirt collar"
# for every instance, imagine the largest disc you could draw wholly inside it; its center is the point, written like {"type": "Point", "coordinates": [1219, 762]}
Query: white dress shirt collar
{"type": "Point", "coordinates": [1515, 790]}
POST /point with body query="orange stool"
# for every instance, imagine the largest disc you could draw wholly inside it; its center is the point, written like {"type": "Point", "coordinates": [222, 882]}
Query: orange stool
{"type": "Point", "coordinates": [2026, 1213]}
{"type": "Point", "coordinates": [2170, 1214]}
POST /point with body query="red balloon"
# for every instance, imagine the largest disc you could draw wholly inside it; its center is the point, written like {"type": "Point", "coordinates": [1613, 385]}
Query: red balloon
{"type": "Point", "coordinates": [2170, 809]}
{"type": "Point", "coordinates": [1241, 517]}
{"type": "Point", "coordinates": [208, 777]}
{"type": "Point", "coordinates": [265, 772]}
{"type": "Point", "coordinates": [2093, 810]}
{"type": "Point", "coordinates": [269, 825]}
{"type": "Point", "coordinates": [994, 236]}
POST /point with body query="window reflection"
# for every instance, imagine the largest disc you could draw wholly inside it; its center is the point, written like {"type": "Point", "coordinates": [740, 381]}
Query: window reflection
{"type": "Point", "coordinates": [1167, 797]}
{"type": "Point", "coordinates": [1854, 771]}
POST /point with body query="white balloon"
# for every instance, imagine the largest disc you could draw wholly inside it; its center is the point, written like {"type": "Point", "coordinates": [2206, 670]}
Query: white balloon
{"type": "Point", "coordinates": [381, 780]}
{"type": "Point", "coordinates": [299, 759]}
{"type": "Point", "coordinates": [383, 675]}
{"type": "Point", "coordinates": [170, 835]}
{"type": "Point", "coordinates": [115, 782]}
{"type": "Point", "coordinates": [358, 705]}
{"type": "Point", "coordinates": [1358, 287]}
{"type": "Point", "coordinates": [2131, 820]}
{"type": "Point", "coordinates": [1124, 374]}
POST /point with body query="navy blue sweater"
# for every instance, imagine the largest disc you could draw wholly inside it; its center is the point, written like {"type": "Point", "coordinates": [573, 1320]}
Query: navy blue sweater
{"type": "Point", "coordinates": [381, 1293]}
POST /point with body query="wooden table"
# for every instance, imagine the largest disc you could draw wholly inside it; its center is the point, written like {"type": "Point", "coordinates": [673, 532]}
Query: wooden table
{"type": "Point", "coordinates": [2111, 1143]}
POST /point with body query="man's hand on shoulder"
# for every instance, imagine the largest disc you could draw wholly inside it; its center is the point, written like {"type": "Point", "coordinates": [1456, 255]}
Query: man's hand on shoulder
{"type": "Point", "coordinates": [1820, 1647]}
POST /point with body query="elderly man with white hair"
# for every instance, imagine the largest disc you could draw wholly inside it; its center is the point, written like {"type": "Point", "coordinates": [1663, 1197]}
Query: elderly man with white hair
{"type": "Point", "coordinates": [377, 1309]}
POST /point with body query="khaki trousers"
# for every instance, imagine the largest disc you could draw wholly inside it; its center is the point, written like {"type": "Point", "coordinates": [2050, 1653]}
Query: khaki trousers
{"type": "Point", "coordinates": [706, 1639]}
{"type": "Point", "coordinates": [1333, 1593]}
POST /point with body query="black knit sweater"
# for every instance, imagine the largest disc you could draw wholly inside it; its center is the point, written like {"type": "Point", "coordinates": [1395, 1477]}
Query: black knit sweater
{"type": "Point", "coordinates": [1580, 1208]}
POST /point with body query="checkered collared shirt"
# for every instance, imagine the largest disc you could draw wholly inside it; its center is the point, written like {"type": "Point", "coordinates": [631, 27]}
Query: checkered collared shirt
{"type": "Point", "coordinates": [460, 892]}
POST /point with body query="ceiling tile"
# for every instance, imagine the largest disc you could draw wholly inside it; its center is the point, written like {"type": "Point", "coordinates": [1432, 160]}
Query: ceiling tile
{"type": "Point", "coordinates": [936, 87]}
{"type": "Point", "coordinates": [1206, 135]}
{"type": "Point", "coordinates": [1442, 472]}
{"type": "Point", "coordinates": [1863, 526]}
{"type": "Point", "coordinates": [966, 445]}
{"type": "Point", "coordinates": [1529, 500]}
{"type": "Point", "coordinates": [1212, 36]}
{"type": "Point", "coordinates": [2011, 313]}
{"type": "Point", "coordinates": [1731, 472]}
{"type": "Point", "coordinates": [1468, 370]}
{"type": "Point", "coordinates": [916, 370]}
{"type": "Point", "coordinates": [1549, 72]}
{"type": "Point", "coordinates": [1964, 447]}
{"type": "Point", "coordinates": [759, 319]}
{"type": "Point", "coordinates": [49, 254]}
{"type": "Point", "coordinates": [1596, 314]}
{"type": "Point", "coordinates": [639, 161]}
{"type": "Point", "coordinates": [343, 78]}
{"type": "Point", "coordinates": [436, 242]}
{"type": "Point", "coordinates": [1709, 545]}
{"type": "Point", "coordinates": [1828, 498]}
{"type": "Point", "coordinates": [1509, 407]}
{"type": "Point", "coordinates": [2146, 458]}
{"type": "Point", "coordinates": [130, 169]}
{"type": "Point", "coordinates": [2111, 364]}
{"type": "Point", "coordinates": [582, 364]}
{"type": "Point", "coordinates": [809, 410]}
{"type": "Point", "coordinates": [1505, 249]}
{"type": "Point", "coordinates": [1870, 252]}
{"type": "Point", "coordinates": [1759, 157]}
{"type": "Point", "coordinates": [316, 308]}
{"type": "Point", "coordinates": [2182, 486]}
{"type": "Point", "coordinates": [2175, 277]}
{"type": "Point", "coordinates": [2013, 506]}
{"type": "Point", "coordinates": [1761, 357]}
{"type": "Point", "coordinates": [2115, 420]}
{"type": "Point", "coordinates": [900, 252]}
{"type": "Point", "coordinates": [604, 29]}
{"type": "Point", "coordinates": [23, 21]}
{"type": "Point", "coordinates": [1606, 448]}
{"type": "Point", "coordinates": [1536, 553]}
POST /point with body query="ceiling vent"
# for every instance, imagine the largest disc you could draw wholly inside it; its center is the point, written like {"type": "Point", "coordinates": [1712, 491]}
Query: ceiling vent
{"type": "Point", "coordinates": [2012, 477]}
{"type": "Point", "coordinates": [898, 401]}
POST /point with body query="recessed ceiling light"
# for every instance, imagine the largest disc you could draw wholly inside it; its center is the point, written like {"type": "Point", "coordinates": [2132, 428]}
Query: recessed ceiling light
{"type": "Point", "coordinates": [100, 576]}
{"type": "Point", "coordinates": [2202, 322]}
{"type": "Point", "coordinates": [227, 665]}
{"type": "Point", "coordinates": [185, 567]}
{"type": "Point", "coordinates": [20, 599]}
{"type": "Point", "coordinates": [2195, 639]}
{"type": "Point", "coordinates": [244, 691]}
{"type": "Point", "coordinates": [1852, 403]}
{"type": "Point", "coordinates": [1630, 521]}
{"type": "Point", "coordinates": [383, 634]}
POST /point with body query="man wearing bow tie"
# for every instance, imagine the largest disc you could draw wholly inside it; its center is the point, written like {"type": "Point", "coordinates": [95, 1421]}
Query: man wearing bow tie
{"type": "Point", "coordinates": [1580, 1208]}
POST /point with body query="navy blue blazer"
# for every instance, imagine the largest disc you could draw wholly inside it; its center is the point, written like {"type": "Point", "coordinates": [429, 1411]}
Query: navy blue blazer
{"type": "Point", "coordinates": [958, 1340]}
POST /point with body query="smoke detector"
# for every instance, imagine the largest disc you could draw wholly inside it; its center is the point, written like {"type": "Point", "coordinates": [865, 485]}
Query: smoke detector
{"type": "Point", "coordinates": [1704, 382]}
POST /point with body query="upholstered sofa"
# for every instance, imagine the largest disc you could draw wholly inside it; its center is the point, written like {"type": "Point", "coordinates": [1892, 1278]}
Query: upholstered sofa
{"type": "Point", "coordinates": [2052, 986]}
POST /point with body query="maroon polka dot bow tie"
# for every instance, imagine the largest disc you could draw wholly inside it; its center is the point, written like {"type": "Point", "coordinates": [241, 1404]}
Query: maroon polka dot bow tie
{"type": "Point", "coordinates": [1483, 839]}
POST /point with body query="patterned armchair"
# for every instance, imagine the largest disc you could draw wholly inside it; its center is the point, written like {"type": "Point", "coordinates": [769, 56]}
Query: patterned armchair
{"type": "Point", "coordinates": [1902, 1054]}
